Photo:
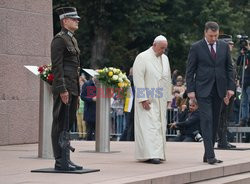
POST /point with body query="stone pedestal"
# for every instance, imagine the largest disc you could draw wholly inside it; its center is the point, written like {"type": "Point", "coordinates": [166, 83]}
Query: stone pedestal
{"type": "Point", "coordinates": [102, 133]}
{"type": "Point", "coordinates": [45, 121]}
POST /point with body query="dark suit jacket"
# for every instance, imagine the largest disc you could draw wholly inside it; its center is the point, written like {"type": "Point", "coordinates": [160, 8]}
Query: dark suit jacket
{"type": "Point", "coordinates": [88, 92]}
{"type": "Point", "coordinates": [203, 71]}
{"type": "Point", "coordinates": [191, 124]}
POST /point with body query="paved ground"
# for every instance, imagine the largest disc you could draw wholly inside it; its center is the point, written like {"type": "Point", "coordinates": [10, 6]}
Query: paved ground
{"type": "Point", "coordinates": [119, 166]}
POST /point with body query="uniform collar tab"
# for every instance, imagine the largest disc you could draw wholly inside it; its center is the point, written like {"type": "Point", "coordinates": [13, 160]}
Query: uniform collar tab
{"type": "Point", "coordinates": [68, 32]}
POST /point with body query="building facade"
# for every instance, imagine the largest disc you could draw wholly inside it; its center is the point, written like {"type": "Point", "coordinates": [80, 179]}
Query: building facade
{"type": "Point", "coordinates": [26, 30]}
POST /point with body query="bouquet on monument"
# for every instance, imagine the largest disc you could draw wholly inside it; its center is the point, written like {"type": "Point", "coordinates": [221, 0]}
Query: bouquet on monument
{"type": "Point", "coordinates": [45, 73]}
{"type": "Point", "coordinates": [114, 78]}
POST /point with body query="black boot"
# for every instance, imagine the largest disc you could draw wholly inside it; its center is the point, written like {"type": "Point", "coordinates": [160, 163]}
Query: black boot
{"type": "Point", "coordinates": [61, 166]}
{"type": "Point", "coordinates": [71, 163]}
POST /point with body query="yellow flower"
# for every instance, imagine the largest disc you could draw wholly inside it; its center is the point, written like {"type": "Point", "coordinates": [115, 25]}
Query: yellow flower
{"type": "Point", "coordinates": [110, 74]}
{"type": "Point", "coordinates": [120, 84]}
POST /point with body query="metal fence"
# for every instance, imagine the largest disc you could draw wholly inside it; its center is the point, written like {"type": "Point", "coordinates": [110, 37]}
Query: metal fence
{"type": "Point", "coordinates": [172, 116]}
{"type": "Point", "coordinates": [118, 123]}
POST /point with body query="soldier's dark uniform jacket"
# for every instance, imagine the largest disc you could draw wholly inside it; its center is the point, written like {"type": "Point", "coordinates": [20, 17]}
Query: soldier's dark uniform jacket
{"type": "Point", "coordinates": [65, 63]}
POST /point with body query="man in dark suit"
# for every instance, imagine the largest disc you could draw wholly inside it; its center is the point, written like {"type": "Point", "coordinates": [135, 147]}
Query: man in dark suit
{"type": "Point", "coordinates": [188, 124]}
{"type": "Point", "coordinates": [88, 95]}
{"type": "Point", "coordinates": [65, 87]}
{"type": "Point", "coordinates": [209, 79]}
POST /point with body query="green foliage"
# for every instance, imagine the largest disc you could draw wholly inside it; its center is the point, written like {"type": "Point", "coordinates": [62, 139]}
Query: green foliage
{"type": "Point", "coordinates": [113, 32]}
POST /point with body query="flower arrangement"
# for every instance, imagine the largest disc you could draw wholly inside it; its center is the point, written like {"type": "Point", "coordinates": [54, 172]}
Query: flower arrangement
{"type": "Point", "coordinates": [45, 73]}
{"type": "Point", "coordinates": [114, 78]}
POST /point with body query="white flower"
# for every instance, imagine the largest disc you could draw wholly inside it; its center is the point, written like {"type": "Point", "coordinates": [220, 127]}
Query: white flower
{"type": "Point", "coordinates": [111, 68]}
{"type": "Point", "coordinates": [120, 79]}
{"type": "Point", "coordinates": [115, 77]}
{"type": "Point", "coordinates": [105, 69]}
{"type": "Point", "coordinates": [118, 71]}
{"type": "Point", "coordinates": [120, 75]}
{"type": "Point", "coordinates": [126, 80]}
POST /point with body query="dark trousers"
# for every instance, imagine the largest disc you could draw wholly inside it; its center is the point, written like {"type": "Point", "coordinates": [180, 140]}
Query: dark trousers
{"type": "Point", "coordinates": [223, 123]}
{"type": "Point", "coordinates": [209, 108]}
{"type": "Point", "coordinates": [128, 134]}
{"type": "Point", "coordinates": [58, 123]}
{"type": "Point", "coordinates": [90, 130]}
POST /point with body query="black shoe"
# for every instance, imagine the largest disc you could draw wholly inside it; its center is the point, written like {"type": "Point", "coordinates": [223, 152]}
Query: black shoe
{"type": "Point", "coordinates": [154, 161]}
{"type": "Point", "coordinates": [213, 161]}
{"type": "Point", "coordinates": [231, 146]}
{"type": "Point", "coordinates": [227, 146]}
{"type": "Point", "coordinates": [78, 167]}
{"type": "Point", "coordinates": [68, 167]}
{"type": "Point", "coordinates": [222, 146]}
{"type": "Point", "coordinates": [241, 124]}
{"type": "Point", "coordinates": [204, 159]}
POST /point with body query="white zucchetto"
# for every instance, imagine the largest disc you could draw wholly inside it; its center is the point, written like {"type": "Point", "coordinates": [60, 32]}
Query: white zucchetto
{"type": "Point", "coordinates": [160, 38]}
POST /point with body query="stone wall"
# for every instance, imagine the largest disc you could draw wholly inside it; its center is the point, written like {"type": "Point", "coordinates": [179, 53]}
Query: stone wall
{"type": "Point", "coordinates": [26, 30]}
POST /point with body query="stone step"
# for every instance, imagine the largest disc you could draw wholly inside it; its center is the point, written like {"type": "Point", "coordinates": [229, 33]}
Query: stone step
{"type": "Point", "coordinates": [201, 174]}
{"type": "Point", "coordinates": [243, 178]}
{"type": "Point", "coordinates": [183, 165]}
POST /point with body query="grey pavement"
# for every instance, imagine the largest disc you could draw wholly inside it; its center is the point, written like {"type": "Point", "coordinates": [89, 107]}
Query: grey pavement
{"type": "Point", "coordinates": [184, 163]}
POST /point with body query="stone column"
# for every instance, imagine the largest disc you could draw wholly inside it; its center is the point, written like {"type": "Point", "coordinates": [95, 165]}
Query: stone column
{"type": "Point", "coordinates": [45, 121]}
{"type": "Point", "coordinates": [102, 133]}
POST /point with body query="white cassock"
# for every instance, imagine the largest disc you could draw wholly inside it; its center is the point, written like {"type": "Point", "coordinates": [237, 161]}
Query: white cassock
{"type": "Point", "coordinates": [152, 80]}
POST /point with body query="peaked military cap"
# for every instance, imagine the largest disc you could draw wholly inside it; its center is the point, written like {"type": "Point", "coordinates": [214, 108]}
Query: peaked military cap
{"type": "Point", "coordinates": [226, 38]}
{"type": "Point", "coordinates": [67, 12]}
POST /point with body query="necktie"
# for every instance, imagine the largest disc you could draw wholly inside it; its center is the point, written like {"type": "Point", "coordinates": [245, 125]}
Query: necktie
{"type": "Point", "coordinates": [212, 51]}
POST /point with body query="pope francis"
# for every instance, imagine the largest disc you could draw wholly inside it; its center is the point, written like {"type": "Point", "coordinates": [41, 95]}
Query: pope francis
{"type": "Point", "coordinates": [152, 80]}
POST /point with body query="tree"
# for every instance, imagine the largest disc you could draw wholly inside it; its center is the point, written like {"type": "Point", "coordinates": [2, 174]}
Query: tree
{"type": "Point", "coordinates": [115, 29]}
{"type": "Point", "coordinates": [113, 32]}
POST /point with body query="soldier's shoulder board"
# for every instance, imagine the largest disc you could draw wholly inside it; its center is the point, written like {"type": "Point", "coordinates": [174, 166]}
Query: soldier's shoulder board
{"type": "Point", "coordinates": [60, 34]}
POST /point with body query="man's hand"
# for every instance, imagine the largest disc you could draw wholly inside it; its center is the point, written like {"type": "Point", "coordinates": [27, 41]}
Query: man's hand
{"type": "Point", "coordinates": [146, 105]}
{"type": "Point", "coordinates": [94, 99]}
{"type": "Point", "coordinates": [172, 125]}
{"type": "Point", "coordinates": [183, 107]}
{"type": "Point", "coordinates": [191, 95]}
{"type": "Point", "coordinates": [78, 102]}
{"type": "Point", "coordinates": [230, 93]}
{"type": "Point", "coordinates": [226, 100]}
{"type": "Point", "coordinates": [65, 97]}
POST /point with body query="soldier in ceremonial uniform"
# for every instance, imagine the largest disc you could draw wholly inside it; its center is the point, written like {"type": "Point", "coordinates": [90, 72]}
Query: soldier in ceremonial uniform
{"type": "Point", "coordinates": [65, 87]}
{"type": "Point", "coordinates": [226, 106]}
